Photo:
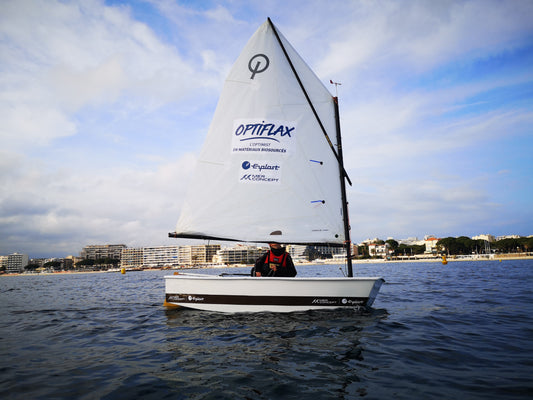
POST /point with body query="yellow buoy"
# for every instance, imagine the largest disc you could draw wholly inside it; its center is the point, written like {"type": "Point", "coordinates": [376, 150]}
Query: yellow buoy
{"type": "Point", "coordinates": [122, 270]}
{"type": "Point", "coordinates": [444, 261]}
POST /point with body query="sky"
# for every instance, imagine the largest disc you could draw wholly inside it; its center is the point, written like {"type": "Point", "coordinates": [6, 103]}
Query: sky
{"type": "Point", "coordinates": [104, 106]}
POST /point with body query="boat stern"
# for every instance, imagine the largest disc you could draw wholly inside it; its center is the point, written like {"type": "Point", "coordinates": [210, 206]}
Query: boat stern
{"type": "Point", "coordinates": [374, 292]}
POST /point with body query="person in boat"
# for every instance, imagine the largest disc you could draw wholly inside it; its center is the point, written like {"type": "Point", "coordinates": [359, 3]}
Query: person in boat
{"type": "Point", "coordinates": [275, 262]}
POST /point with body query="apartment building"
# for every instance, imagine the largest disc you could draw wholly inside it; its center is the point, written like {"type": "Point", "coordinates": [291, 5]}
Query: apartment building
{"type": "Point", "coordinates": [161, 256]}
{"type": "Point", "coordinates": [16, 263]}
{"type": "Point", "coordinates": [379, 250]}
{"type": "Point", "coordinates": [132, 257]}
{"type": "Point", "coordinates": [298, 252]}
{"type": "Point", "coordinates": [431, 244]}
{"type": "Point", "coordinates": [485, 237]}
{"type": "Point", "coordinates": [239, 254]}
{"type": "Point", "coordinates": [99, 251]}
{"type": "Point", "coordinates": [194, 255]}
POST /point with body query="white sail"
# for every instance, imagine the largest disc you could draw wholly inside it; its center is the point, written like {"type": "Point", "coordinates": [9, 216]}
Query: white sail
{"type": "Point", "coordinates": [266, 171]}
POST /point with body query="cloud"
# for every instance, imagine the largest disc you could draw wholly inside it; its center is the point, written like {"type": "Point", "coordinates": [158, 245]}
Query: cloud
{"type": "Point", "coordinates": [104, 108]}
{"type": "Point", "coordinates": [132, 206]}
{"type": "Point", "coordinates": [60, 58]}
{"type": "Point", "coordinates": [420, 205]}
{"type": "Point", "coordinates": [420, 36]}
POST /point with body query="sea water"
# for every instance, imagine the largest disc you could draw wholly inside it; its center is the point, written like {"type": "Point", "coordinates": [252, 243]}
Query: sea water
{"type": "Point", "coordinates": [457, 331]}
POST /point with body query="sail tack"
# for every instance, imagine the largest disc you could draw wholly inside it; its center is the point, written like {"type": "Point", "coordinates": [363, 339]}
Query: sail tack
{"type": "Point", "coordinates": [266, 171]}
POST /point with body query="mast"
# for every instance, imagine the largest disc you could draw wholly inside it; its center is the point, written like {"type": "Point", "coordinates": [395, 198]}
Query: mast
{"type": "Point", "coordinates": [345, 218]}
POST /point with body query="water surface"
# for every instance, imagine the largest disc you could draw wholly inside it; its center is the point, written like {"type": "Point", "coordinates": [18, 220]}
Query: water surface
{"type": "Point", "coordinates": [464, 330]}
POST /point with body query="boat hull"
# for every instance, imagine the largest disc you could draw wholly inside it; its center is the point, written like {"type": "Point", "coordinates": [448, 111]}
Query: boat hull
{"type": "Point", "coordinates": [247, 294]}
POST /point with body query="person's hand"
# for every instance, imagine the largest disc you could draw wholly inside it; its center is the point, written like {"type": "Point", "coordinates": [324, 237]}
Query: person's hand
{"type": "Point", "coordinates": [258, 274]}
{"type": "Point", "coordinates": [273, 268]}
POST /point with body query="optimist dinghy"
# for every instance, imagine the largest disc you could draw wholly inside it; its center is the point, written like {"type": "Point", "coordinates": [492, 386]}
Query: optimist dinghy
{"type": "Point", "coordinates": [271, 170]}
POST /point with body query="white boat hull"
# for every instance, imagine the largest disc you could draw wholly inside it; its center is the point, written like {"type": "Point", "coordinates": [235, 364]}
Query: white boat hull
{"type": "Point", "coordinates": [249, 294]}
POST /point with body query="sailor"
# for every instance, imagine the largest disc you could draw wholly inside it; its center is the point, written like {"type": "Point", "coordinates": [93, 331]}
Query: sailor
{"type": "Point", "coordinates": [275, 262]}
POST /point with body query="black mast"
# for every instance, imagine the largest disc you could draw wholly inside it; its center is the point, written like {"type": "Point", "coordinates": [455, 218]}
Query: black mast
{"type": "Point", "coordinates": [346, 220]}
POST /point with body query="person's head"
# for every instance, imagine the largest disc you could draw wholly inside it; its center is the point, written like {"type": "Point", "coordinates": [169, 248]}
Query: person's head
{"type": "Point", "coordinates": [275, 245]}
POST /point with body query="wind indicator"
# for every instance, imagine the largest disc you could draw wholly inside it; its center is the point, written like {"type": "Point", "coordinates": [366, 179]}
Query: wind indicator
{"type": "Point", "coordinates": [336, 84]}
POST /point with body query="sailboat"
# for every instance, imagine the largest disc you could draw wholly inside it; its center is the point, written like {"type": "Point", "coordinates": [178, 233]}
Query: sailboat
{"type": "Point", "coordinates": [271, 170]}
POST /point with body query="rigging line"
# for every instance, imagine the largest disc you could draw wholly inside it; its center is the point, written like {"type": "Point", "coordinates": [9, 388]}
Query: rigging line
{"type": "Point", "coordinates": [341, 166]}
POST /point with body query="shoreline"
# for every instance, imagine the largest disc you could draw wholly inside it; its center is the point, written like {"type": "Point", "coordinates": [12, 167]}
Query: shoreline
{"type": "Point", "coordinates": [503, 257]}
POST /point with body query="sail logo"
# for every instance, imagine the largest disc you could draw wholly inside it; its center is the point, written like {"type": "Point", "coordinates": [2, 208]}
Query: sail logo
{"type": "Point", "coordinates": [260, 136]}
{"type": "Point", "coordinates": [264, 172]}
{"type": "Point", "coordinates": [257, 64]}
{"type": "Point", "coordinates": [263, 131]}
{"type": "Point", "coordinates": [260, 167]}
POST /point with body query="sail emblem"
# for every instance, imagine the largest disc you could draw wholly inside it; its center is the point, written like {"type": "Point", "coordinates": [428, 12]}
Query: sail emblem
{"type": "Point", "coordinates": [264, 172]}
{"type": "Point", "coordinates": [256, 69]}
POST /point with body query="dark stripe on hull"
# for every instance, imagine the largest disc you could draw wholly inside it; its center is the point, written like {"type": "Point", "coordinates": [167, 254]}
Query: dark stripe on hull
{"type": "Point", "coordinates": [266, 300]}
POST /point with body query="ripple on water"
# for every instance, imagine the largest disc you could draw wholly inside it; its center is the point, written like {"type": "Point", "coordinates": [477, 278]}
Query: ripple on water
{"type": "Point", "coordinates": [460, 331]}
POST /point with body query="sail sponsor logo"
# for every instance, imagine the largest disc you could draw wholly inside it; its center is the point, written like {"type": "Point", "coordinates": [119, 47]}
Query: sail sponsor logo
{"type": "Point", "coordinates": [258, 178]}
{"type": "Point", "coordinates": [263, 131]}
{"type": "Point", "coordinates": [260, 167]}
{"type": "Point", "coordinates": [258, 64]}
{"type": "Point", "coordinates": [264, 172]}
{"type": "Point", "coordinates": [254, 136]}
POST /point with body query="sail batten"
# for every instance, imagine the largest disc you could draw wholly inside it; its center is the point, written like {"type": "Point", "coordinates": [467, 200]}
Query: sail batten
{"type": "Point", "coordinates": [265, 162]}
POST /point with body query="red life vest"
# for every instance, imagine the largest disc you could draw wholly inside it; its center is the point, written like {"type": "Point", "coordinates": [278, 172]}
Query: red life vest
{"type": "Point", "coordinates": [278, 261]}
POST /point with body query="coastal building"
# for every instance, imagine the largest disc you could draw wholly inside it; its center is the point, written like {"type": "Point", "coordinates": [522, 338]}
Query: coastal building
{"type": "Point", "coordinates": [73, 260]}
{"type": "Point", "coordinates": [431, 244]}
{"type": "Point", "coordinates": [239, 254]}
{"type": "Point", "coordinates": [200, 254]}
{"type": "Point", "coordinates": [298, 252]}
{"type": "Point", "coordinates": [16, 263]}
{"type": "Point", "coordinates": [160, 256]}
{"type": "Point", "coordinates": [508, 237]}
{"type": "Point", "coordinates": [486, 237]}
{"type": "Point", "coordinates": [411, 241]}
{"type": "Point", "coordinates": [369, 241]}
{"type": "Point", "coordinates": [379, 250]}
{"type": "Point", "coordinates": [99, 251]}
{"type": "Point", "coordinates": [310, 253]}
{"type": "Point", "coordinates": [3, 262]}
{"type": "Point", "coordinates": [132, 257]}
{"type": "Point", "coordinates": [150, 257]}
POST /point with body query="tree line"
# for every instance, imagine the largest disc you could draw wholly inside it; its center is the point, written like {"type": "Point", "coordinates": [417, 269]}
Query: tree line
{"type": "Point", "coordinates": [398, 249]}
{"type": "Point", "coordinates": [463, 245]}
{"type": "Point", "coordinates": [58, 265]}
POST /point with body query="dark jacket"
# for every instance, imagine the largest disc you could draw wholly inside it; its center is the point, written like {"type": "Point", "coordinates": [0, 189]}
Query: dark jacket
{"type": "Point", "coordinates": [284, 268]}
